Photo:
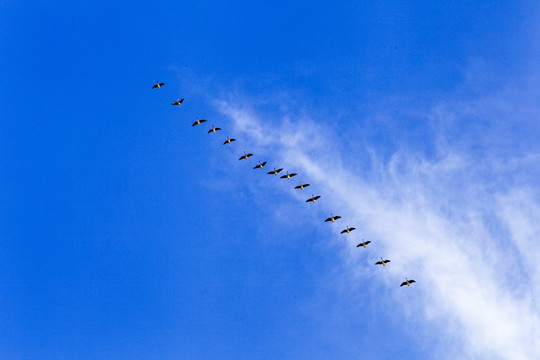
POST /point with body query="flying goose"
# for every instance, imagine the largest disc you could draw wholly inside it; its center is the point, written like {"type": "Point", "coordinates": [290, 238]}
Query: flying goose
{"type": "Point", "coordinates": [407, 282]}
{"type": "Point", "coordinates": [382, 262]}
{"type": "Point", "coordinates": [213, 129]}
{"type": "Point", "coordinates": [177, 102]}
{"type": "Point", "coordinates": [348, 230]}
{"type": "Point", "coordinates": [332, 218]}
{"type": "Point", "coordinates": [245, 156]}
{"type": "Point", "coordinates": [198, 122]}
{"type": "Point", "coordinates": [274, 172]}
{"type": "Point", "coordinates": [288, 176]}
{"type": "Point", "coordinates": [260, 166]}
{"type": "Point", "coordinates": [228, 141]}
{"type": "Point", "coordinates": [158, 85]}
{"type": "Point", "coordinates": [301, 186]}
{"type": "Point", "coordinates": [363, 243]}
{"type": "Point", "coordinates": [313, 198]}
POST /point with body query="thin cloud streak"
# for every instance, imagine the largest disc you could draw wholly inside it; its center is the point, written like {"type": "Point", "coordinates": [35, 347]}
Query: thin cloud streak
{"type": "Point", "coordinates": [471, 247]}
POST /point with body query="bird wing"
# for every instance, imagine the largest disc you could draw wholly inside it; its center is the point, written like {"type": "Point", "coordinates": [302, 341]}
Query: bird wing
{"type": "Point", "coordinates": [361, 244]}
{"type": "Point", "coordinates": [181, 101]}
{"type": "Point", "coordinates": [411, 281]}
{"type": "Point", "coordinates": [351, 229]}
{"type": "Point", "coordinates": [378, 263]}
{"type": "Point", "coordinates": [403, 283]}
{"type": "Point", "coordinates": [209, 131]}
{"type": "Point", "coordinates": [298, 187]}
{"type": "Point", "coordinates": [308, 200]}
{"type": "Point", "coordinates": [243, 157]}
{"type": "Point", "coordinates": [284, 176]}
{"type": "Point", "coordinates": [257, 166]}
{"type": "Point", "coordinates": [226, 141]}
{"type": "Point", "coordinates": [195, 123]}
{"type": "Point", "coordinates": [278, 170]}
{"type": "Point", "coordinates": [329, 219]}
{"type": "Point", "coordinates": [218, 129]}
{"type": "Point", "coordinates": [387, 261]}
{"type": "Point", "coordinates": [271, 172]}
{"type": "Point", "coordinates": [264, 163]}
{"type": "Point", "coordinates": [155, 86]}
{"type": "Point", "coordinates": [367, 242]}
{"type": "Point", "coordinates": [317, 197]}
{"type": "Point", "coordinates": [337, 217]}
{"type": "Point", "coordinates": [161, 84]}
{"type": "Point", "coordinates": [344, 231]}
{"type": "Point", "coordinates": [306, 185]}
{"type": "Point", "coordinates": [233, 140]}
{"type": "Point", "coordinates": [293, 174]}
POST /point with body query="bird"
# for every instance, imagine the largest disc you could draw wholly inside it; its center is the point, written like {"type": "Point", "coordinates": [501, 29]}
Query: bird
{"type": "Point", "coordinates": [158, 85]}
{"type": "Point", "coordinates": [198, 122]}
{"type": "Point", "coordinates": [274, 172]}
{"type": "Point", "coordinates": [245, 156]}
{"type": "Point", "coordinates": [288, 176]}
{"type": "Point", "coordinates": [260, 166]}
{"type": "Point", "coordinates": [332, 218]}
{"type": "Point", "coordinates": [348, 230]}
{"type": "Point", "coordinates": [213, 129]}
{"type": "Point", "coordinates": [407, 282]}
{"type": "Point", "coordinates": [382, 262]}
{"type": "Point", "coordinates": [313, 198]}
{"type": "Point", "coordinates": [364, 243]}
{"type": "Point", "coordinates": [228, 141]}
{"type": "Point", "coordinates": [301, 186]}
{"type": "Point", "coordinates": [178, 102]}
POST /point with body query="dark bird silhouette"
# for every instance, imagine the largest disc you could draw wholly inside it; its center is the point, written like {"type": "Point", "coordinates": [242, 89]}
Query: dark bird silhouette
{"type": "Point", "coordinates": [274, 172]}
{"type": "Point", "coordinates": [260, 166]}
{"type": "Point", "coordinates": [332, 218]}
{"type": "Point", "coordinates": [364, 243]}
{"type": "Point", "coordinates": [245, 156]}
{"type": "Point", "coordinates": [178, 102]}
{"type": "Point", "coordinates": [407, 282]}
{"type": "Point", "coordinates": [288, 176]}
{"type": "Point", "coordinates": [198, 122]}
{"type": "Point", "coordinates": [382, 262]}
{"type": "Point", "coordinates": [213, 129]}
{"type": "Point", "coordinates": [301, 186]}
{"type": "Point", "coordinates": [348, 230]}
{"type": "Point", "coordinates": [313, 198]}
{"type": "Point", "coordinates": [158, 85]}
{"type": "Point", "coordinates": [228, 141]}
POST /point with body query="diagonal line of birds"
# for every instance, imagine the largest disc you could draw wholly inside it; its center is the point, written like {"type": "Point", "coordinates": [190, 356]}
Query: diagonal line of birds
{"type": "Point", "coordinates": [333, 218]}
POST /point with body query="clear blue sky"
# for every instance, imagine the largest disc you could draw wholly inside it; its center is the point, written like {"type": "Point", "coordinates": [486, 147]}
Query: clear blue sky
{"type": "Point", "coordinates": [126, 233]}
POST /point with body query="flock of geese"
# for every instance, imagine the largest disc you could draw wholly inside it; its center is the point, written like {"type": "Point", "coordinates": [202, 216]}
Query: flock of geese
{"type": "Point", "coordinates": [287, 176]}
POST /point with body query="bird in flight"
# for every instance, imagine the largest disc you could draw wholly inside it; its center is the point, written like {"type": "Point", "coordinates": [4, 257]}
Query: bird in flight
{"type": "Point", "coordinates": [364, 243]}
{"type": "Point", "coordinates": [158, 85]}
{"type": "Point", "coordinates": [407, 282]}
{"type": "Point", "coordinates": [274, 172]}
{"type": "Point", "coordinates": [260, 166]}
{"type": "Point", "coordinates": [332, 218]}
{"type": "Point", "coordinates": [213, 129]}
{"type": "Point", "coordinates": [198, 122]}
{"type": "Point", "coordinates": [301, 186]}
{"type": "Point", "coordinates": [178, 102]}
{"type": "Point", "coordinates": [288, 176]}
{"type": "Point", "coordinates": [245, 156]}
{"type": "Point", "coordinates": [382, 262]}
{"type": "Point", "coordinates": [228, 141]}
{"type": "Point", "coordinates": [313, 198]}
{"type": "Point", "coordinates": [348, 230]}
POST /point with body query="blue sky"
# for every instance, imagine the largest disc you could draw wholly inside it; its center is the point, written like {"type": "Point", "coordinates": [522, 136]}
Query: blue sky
{"type": "Point", "coordinates": [125, 232]}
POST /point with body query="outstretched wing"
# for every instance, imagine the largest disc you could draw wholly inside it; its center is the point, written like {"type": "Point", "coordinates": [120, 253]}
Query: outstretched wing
{"type": "Point", "coordinates": [329, 219]}
{"type": "Point", "coordinates": [378, 263]}
{"type": "Point", "coordinates": [403, 283]}
{"type": "Point", "coordinates": [316, 197]}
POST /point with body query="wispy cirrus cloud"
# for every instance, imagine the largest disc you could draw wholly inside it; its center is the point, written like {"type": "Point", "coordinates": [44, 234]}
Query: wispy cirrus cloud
{"type": "Point", "coordinates": [465, 215]}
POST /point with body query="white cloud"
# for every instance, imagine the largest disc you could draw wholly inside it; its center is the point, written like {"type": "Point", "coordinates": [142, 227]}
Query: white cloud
{"type": "Point", "coordinates": [454, 222]}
